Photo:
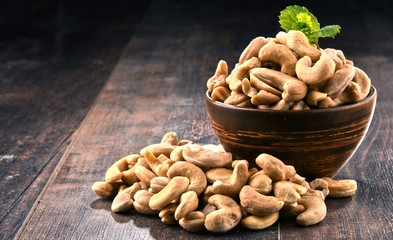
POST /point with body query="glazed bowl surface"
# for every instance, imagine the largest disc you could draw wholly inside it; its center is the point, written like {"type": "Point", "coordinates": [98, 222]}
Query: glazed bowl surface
{"type": "Point", "coordinates": [317, 142]}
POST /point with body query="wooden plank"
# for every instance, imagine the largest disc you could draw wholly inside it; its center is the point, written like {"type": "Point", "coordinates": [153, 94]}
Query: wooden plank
{"type": "Point", "coordinates": [157, 87]}
{"type": "Point", "coordinates": [51, 70]}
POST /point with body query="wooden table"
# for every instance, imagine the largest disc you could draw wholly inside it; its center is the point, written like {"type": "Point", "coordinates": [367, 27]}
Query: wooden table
{"type": "Point", "coordinates": [75, 97]}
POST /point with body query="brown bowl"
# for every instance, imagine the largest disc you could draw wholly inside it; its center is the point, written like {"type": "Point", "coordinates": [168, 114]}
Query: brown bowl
{"type": "Point", "coordinates": [317, 142]}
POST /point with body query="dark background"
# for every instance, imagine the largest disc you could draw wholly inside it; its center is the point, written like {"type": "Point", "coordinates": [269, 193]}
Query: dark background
{"type": "Point", "coordinates": [55, 57]}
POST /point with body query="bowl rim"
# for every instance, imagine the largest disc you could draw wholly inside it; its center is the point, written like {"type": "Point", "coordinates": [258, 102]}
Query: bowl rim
{"type": "Point", "coordinates": [372, 94]}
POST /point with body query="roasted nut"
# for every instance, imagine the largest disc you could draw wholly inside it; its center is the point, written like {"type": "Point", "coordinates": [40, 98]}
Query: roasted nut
{"type": "Point", "coordinates": [167, 213]}
{"type": "Point", "coordinates": [341, 188]}
{"type": "Point", "coordinates": [238, 99]}
{"type": "Point", "coordinates": [279, 54]}
{"type": "Point", "coordinates": [260, 222]}
{"type": "Point", "coordinates": [261, 182]}
{"type": "Point", "coordinates": [248, 89]}
{"type": "Point", "coordinates": [242, 71]}
{"type": "Point", "coordinates": [170, 192]}
{"type": "Point", "coordinates": [219, 77]}
{"type": "Point", "coordinates": [222, 174]}
{"type": "Point", "coordinates": [293, 89]}
{"type": "Point", "coordinates": [288, 192]}
{"type": "Point", "coordinates": [144, 175]}
{"type": "Point", "coordinates": [314, 213]}
{"type": "Point", "coordinates": [158, 183]}
{"type": "Point", "coordinates": [124, 199]}
{"type": "Point", "coordinates": [141, 202]}
{"type": "Point", "coordinates": [258, 204]}
{"type": "Point", "coordinates": [298, 42]}
{"type": "Point", "coordinates": [321, 185]}
{"type": "Point", "coordinates": [291, 210]}
{"type": "Point", "coordinates": [252, 49]}
{"type": "Point", "coordinates": [340, 80]}
{"type": "Point", "coordinates": [281, 38]}
{"type": "Point", "coordinates": [193, 221]}
{"type": "Point", "coordinates": [188, 203]}
{"type": "Point", "coordinates": [195, 175]}
{"type": "Point", "coordinates": [227, 215]}
{"type": "Point", "coordinates": [265, 98]}
{"type": "Point", "coordinates": [238, 179]}
{"type": "Point", "coordinates": [364, 83]}
{"type": "Point", "coordinates": [105, 189]}
{"type": "Point", "coordinates": [260, 85]}
{"type": "Point", "coordinates": [272, 166]}
{"type": "Point", "coordinates": [318, 73]}
{"type": "Point", "coordinates": [114, 173]}
{"type": "Point", "coordinates": [171, 138]}
{"type": "Point", "coordinates": [157, 149]}
{"type": "Point", "coordinates": [221, 94]}
{"type": "Point", "coordinates": [204, 157]}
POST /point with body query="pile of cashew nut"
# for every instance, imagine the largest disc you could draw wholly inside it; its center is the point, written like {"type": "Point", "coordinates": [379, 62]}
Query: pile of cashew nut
{"type": "Point", "coordinates": [288, 73]}
{"type": "Point", "coordinates": [202, 186]}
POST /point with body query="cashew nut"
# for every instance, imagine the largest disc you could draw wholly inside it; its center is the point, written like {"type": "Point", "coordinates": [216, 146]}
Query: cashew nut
{"type": "Point", "coordinates": [332, 53]}
{"type": "Point", "coordinates": [167, 213]}
{"type": "Point", "coordinates": [322, 70]}
{"type": "Point", "coordinates": [195, 175]}
{"type": "Point", "coordinates": [341, 188]}
{"type": "Point", "coordinates": [171, 138]}
{"type": "Point", "coordinates": [193, 221]}
{"type": "Point", "coordinates": [261, 182]}
{"type": "Point", "coordinates": [260, 222]}
{"type": "Point", "coordinates": [105, 189]}
{"type": "Point", "coordinates": [272, 166]}
{"type": "Point", "coordinates": [124, 199]}
{"type": "Point", "coordinates": [288, 192]}
{"type": "Point", "coordinates": [144, 175]}
{"type": "Point", "coordinates": [314, 213]}
{"type": "Point", "coordinates": [364, 83]}
{"type": "Point", "coordinates": [204, 157]}
{"type": "Point", "coordinates": [238, 99]}
{"type": "Point", "coordinates": [188, 203]}
{"type": "Point", "coordinates": [129, 177]}
{"type": "Point", "coordinates": [222, 174]}
{"type": "Point", "coordinates": [219, 77]}
{"type": "Point", "coordinates": [242, 71]}
{"type": "Point", "coordinates": [237, 181]}
{"type": "Point", "coordinates": [340, 80]}
{"type": "Point", "coordinates": [321, 185]}
{"type": "Point", "coordinates": [279, 54]}
{"type": "Point", "coordinates": [158, 183]}
{"type": "Point", "coordinates": [258, 204]}
{"type": "Point", "coordinates": [291, 210]}
{"type": "Point", "coordinates": [141, 202]}
{"type": "Point", "coordinates": [227, 215]}
{"type": "Point", "coordinates": [298, 42]}
{"type": "Point", "coordinates": [114, 173]}
{"type": "Point", "coordinates": [294, 89]}
{"type": "Point", "coordinates": [252, 49]}
{"type": "Point", "coordinates": [265, 98]}
{"type": "Point", "coordinates": [157, 149]}
{"type": "Point", "coordinates": [170, 192]}
{"type": "Point", "coordinates": [260, 85]}
{"type": "Point", "coordinates": [281, 37]}
{"type": "Point", "coordinates": [314, 96]}
{"type": "Point", "coordinates": [221, 93]}
{"type": "Point", "coordinates": [248, 89]}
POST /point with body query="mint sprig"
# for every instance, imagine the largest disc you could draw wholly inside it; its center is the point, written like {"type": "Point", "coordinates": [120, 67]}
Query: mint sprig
{"type": "Point", "coordinates": [299, 18]}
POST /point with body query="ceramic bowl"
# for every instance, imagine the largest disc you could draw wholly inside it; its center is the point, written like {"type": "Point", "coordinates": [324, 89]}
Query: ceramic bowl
{"type": "Point", "coordinates": [317, 142]}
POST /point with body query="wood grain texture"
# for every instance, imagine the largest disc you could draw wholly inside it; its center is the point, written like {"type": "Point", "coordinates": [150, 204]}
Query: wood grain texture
{"type": "Point", "coordinates": [159, 85]}
{"type": "Point", "coordinates": [54, 60]}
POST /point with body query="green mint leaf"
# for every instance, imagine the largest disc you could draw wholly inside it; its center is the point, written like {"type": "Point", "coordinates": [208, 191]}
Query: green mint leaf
{"type": "Point", "coordinates": [328, 31]}
{"type": "Point", "coordinates": [299, 18]}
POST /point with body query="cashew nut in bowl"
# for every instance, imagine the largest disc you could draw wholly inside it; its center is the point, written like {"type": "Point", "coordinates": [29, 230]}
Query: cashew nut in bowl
{"type": "Point", "coordinates": [363, 81]}
{"type": "Point", "coordinates": [238, 99]}
{"type": "Point", "coordinates": [314, 213]}
{"type": "Point", "coordinates": [195, 175]}
{"type": "Point", "coordinates": [340, 80]}
{"type": "Point", "coordinates": [298, 42]}
{"type": "Point", "coordinates": [332, 53]}
{"type": "Point", "coordinates": [293, 89]}
{"type": "Point", "coordinates": [260, 222]}
{"type": "Point", "coordinates": [242, 71]}
{"type": "Point", "coordinates": [204, 157]}
{"type": "Point", "coordinates": [248, 89]}
{"type": "Point", "coordinates": [252, 49]}
{"type": "Point", "coordinates": [281, 37]}
{"type": "Point", "coordinates": [221, 93]}
{"type": "Point", "coordinates": [227, 215]}
{"type": "Point", "coordinates": [260, 85]}
{"type": "Point", "coordinates": [279, 54]}
{"type": "Point", "coordinates": [219, 77]}
{"type": "Point", "coordinates": [265, 98]}
{"type": "Point", "coordinates": [318, 73]}
{"type": "Point", "coordinates": [258, 204]}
